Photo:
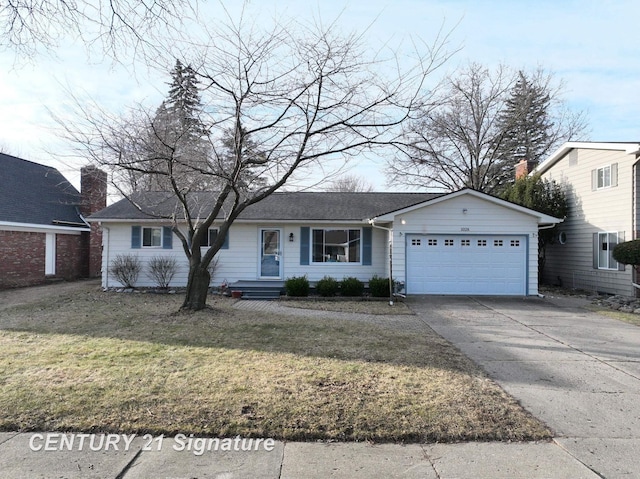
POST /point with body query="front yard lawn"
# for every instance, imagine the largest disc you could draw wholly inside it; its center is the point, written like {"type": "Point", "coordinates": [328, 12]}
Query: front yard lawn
{"type": "Point", "coordinates": [91, 361]}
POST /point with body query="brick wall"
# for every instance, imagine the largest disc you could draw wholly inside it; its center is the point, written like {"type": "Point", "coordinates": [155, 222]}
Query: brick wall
{"type": "Point", "coordinates": [70, 254]}
{"type": "Point", "coordinates": [23, 258]}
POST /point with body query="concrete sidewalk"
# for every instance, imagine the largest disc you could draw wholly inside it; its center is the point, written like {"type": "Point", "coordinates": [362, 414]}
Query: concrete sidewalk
{"type": "Point", "coordinates": [172, 459]}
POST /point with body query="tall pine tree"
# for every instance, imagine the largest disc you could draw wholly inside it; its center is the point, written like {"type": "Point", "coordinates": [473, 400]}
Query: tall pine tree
{"type": "Point", "coordinates": [175, 144]}
{"type": "Point", "coordinates": [526, 126]}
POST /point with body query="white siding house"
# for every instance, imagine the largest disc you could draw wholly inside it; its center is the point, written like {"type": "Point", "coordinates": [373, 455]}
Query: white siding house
{"type": "Point", "coordinates": [465, 242]}
{"type": "Point", "coordinates": [239, 259]}
{"type": "Point", "coordinates": [600, 180]}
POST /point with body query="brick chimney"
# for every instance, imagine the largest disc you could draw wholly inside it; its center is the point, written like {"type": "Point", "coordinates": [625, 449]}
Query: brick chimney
{"type": "Point", "coordinates": [93, 191]}
{"type": "Point", "coordinates": [524, 167]}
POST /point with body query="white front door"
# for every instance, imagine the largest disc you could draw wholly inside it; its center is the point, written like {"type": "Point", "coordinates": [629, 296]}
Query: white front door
{"type": "Point", "coordinates": [270, 253]}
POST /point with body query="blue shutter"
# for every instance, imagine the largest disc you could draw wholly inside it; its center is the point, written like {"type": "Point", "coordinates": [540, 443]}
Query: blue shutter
{"type": "Point", "coordinates": [136, 237]}
{"type": "Point", "coordinates": [367, 233]}
{"type": "Point", "coordinates": [167, 238]}
{"type": "Point", "coordinates": [305, 235]}
{"type": "Point", "coordinates": [225, 245]}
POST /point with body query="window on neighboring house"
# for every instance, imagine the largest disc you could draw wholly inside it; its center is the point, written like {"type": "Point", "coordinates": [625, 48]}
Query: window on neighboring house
{"type": "Point", "coordinates": [606, 243]}
{"type": "Point", "coordinates": [604, 177]}
{"type": "Point", "coordinates": [151, 237]}
{"type": "Point", "coordinates": [336, 246]}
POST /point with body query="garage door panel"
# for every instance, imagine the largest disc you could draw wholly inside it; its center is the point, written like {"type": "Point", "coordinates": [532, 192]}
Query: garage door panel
{"type": "Point", "coordinates": [466, 264]}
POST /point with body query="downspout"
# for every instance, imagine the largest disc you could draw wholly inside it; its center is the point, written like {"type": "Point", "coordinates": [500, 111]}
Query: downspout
{"type": "Point", "coordinates": [390, 231]}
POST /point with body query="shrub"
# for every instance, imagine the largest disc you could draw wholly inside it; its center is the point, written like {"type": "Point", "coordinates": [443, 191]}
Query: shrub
{"type": "Point", "coordinates": [351, 287]}
{"type": "Point", "coordinates": [126, 268]}
{"type": "Point", "coordinates": [161, 270]}
{"type": "Point", "coordinates": [379, 287]}
{"type": "Point", "coordinates": [627, 252]}
{"type": "Point", "coordinates": [213, 266]}
{"type": "Point", "coordinates": [297, 286]}
{"type": "Point", "coordinates": [327, 286]}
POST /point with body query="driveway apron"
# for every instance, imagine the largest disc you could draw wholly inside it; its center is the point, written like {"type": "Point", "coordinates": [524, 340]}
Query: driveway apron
{"type": "Point", "coordinates": [576, 370]}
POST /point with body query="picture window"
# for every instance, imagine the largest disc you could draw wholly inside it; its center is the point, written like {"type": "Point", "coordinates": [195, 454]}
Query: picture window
{"type": "Point", "coordinates": [336, 246]}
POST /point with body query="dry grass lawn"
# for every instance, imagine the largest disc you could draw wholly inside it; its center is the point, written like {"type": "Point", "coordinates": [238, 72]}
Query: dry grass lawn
{"type": "Point", "coordinates": [85, 360]}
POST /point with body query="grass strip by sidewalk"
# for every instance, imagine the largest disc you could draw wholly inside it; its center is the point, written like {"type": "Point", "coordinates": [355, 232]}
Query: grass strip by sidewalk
{"type": "Point", "coordinates": [107, 362]}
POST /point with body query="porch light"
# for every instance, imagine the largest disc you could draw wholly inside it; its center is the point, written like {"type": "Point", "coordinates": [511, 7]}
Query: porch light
{"type": "Point", "coordinates": [291, 237]}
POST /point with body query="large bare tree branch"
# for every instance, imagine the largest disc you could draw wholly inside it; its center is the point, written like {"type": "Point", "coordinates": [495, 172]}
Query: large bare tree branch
{"type": "Point", "coordinates": [29, 26]}
{"type": "Point", "coordinates": [287, 101]}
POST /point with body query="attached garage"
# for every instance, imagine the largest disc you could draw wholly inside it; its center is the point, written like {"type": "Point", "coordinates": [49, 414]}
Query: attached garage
{"type": "Point", "coordinates": [467, 264]}
{"type": "Point", "coordinates": [466, 243]}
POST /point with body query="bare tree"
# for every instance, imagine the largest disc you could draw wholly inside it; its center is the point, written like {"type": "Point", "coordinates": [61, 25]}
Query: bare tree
{"type": "Point", "coordinates": [461, 139]}
{"type": "Point", "coordinates": [350, 183]}
{"type": "Point", "coordinates": [29, 25]}
{"type": "Point", "coordinates": [299, 94]}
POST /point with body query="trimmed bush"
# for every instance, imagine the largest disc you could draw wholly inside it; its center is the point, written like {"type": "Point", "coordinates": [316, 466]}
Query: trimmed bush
{"type": "Point", "coordinates": [351, 287]}
{"type": "Point", "coordinates": [161, 270]}
{"type": "Point", "coordinates": [627, 252]}
{"type": "Point", "coordinates": [126, 268]}
{"type": "Point", "coordinates": [297, 286]}
{"type": "Point", "coordinates": [327, 286]}
{"type": "Point", "coordinates": [379, 287]}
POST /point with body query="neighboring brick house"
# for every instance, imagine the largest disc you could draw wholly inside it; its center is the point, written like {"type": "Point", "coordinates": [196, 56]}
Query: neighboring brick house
{"type": "Point", "coordinates": [43, 234]}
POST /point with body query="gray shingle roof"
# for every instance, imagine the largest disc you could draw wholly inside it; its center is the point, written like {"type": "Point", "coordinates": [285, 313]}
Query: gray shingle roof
{"type": "Point", "coordinates": [36, 194]}
{"type": "Point", "coordinates": [304, 206]}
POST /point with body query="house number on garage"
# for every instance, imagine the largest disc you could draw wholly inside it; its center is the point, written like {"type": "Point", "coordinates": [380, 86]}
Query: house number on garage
{"type": "Point", "coordinates": [464, 229]}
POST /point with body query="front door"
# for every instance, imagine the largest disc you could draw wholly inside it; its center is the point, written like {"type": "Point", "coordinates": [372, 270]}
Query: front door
{"type": "Point", "coordinates": [270, 253]}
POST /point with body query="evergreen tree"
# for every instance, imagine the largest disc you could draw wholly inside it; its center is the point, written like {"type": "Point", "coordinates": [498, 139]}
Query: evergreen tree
{"type": "Point", "coordinates": [177, 143]}
{"type": "Point", "coordinates": [541, 195]}
{"type": "Point", "coordinates": [249, 170]}
{"type": "Point", "coordinates": [526, 126]}
{"type": "Point", "coordinates": [184, 104]}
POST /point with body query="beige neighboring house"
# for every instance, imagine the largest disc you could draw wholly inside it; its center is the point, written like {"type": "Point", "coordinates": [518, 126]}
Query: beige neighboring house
{"type": "Point", "coordinates": [601, 181]}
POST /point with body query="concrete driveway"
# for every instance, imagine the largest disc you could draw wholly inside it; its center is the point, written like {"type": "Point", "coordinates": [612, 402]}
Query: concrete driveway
{"type": "Point", "coordinates": [576, 370]}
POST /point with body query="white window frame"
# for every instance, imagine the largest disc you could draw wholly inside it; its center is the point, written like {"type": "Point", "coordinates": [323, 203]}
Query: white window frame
{"type": "Point", "coordinates": [50, 254]}
{"type": "Point", "coordinates": [151, 246]}
{"type": "Point", "coordinates": [601, 174]}
{"type": "Point", "coordinates": [611, 264]}
{"type": "Point", "coordinates": [324, 230]}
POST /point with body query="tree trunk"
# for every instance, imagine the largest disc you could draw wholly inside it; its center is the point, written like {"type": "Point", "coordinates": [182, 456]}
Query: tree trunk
{"type": "Point", "coordinates": [197, 288]}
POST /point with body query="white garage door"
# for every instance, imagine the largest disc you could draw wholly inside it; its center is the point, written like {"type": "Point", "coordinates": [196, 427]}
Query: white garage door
{"type": "Point", "coordinates": [466, 264]}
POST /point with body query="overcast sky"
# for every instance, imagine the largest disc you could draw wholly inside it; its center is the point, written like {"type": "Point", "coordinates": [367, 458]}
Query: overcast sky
{"type": "Point", "coordinates": [592, 45]}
